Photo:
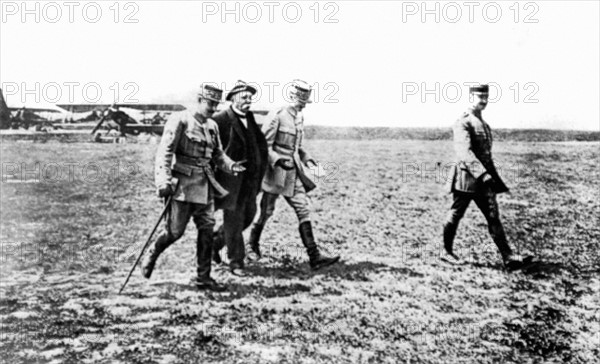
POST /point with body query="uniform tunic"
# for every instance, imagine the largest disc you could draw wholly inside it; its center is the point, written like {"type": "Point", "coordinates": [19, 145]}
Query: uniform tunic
{"type": "Point", "coordinates": [473, 147]}
{"type": "Point", "coordinates": [188, 144]}
{"type": "Point", "coordinates": [284, 135]}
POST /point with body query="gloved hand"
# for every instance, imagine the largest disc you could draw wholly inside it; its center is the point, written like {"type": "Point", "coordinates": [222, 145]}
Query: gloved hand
{"type": "Point", "coordinates": [486, 178]}
{"type": "Point", "coordinates": [237, 167]}
{"type": "Point", "coordinates": [311, 161]}
{"type": "Point", "coordinates": [165, 191]}
{"type": "Point", "coordinates": [285, 163]}
{"type": "Point", "coordinates": [487, 181]}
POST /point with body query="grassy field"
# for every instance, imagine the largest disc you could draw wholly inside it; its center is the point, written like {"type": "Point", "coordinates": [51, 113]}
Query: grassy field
{"type": "Point", "coordinates": [71, 228]}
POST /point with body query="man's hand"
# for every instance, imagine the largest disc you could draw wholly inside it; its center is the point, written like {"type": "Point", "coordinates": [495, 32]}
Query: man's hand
{"type": "Point", "coordinates": [285, 163]}
{"type": "Point", "coordinates": [237, 167]}
{"type": "Point", "coordinates": [165, 191]}
{"type": "Point", "coordinates": [311, 163]}
{"type": "Point", "coordinates": [487, 181]}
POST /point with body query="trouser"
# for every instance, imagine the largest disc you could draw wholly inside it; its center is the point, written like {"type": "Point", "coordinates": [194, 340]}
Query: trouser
{"type": "Point", "coordinates": [298, 201]}
{"type": "Point", "coordinates": [485, 199]}
{"type": "Point", "coordinates": [178, 216]}
{"type": "Point", "coordinates": [235, 221]}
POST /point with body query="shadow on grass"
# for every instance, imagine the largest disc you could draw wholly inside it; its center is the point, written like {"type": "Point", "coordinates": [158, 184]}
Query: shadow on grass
{"type": "Point", "coordinates": [540, 269]}
{"type": "Point", "coordinates": [359, 271]}
{"type": "Point", "coordinates": [175, 286]}
{"type": "Point", "coordinates": [530, 267]}
{"type": "Point", "coordinates": [239, 290]}
{"type": "Point", "coordinates": [236, 290]}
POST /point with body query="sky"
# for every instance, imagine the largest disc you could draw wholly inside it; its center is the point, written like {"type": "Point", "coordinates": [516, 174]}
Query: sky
{"type": "Point", "coordinates": [375, 63]}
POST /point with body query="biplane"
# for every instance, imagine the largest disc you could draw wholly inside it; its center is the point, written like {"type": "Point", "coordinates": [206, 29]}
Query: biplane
{"type": "Point", "coordinates": [120, 117]}
{"type": "Point", "coordinates": [24, 117]}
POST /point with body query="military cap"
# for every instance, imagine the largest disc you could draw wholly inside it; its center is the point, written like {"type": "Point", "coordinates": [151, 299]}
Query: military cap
{"type": "Point", "coordinates": [301, 91]}
{"type": "Point", "coordinates": [241, 86]}
{"type": "Point", "coordinates": [210, 93]}
{"type": "Point", "coordinates": [480, 90]}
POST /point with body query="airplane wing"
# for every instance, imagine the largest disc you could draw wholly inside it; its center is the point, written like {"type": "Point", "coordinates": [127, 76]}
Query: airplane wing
{"type": "Point", "coordinates": [144, 107]}
{"type": "Point", "coordinates": [5, 109]}
{"type": "Point", "coordinates": [79, 108]}
{"type": "Point", "coordinates": [34, 109]}
{"type": "Point", "coordinates": [154, 107]}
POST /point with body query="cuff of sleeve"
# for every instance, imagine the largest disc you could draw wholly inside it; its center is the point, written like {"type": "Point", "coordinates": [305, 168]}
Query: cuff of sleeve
{"type": "Point", "coordinates": [479, 174]}
{"type": "Point", "coordinates": [274, 160]}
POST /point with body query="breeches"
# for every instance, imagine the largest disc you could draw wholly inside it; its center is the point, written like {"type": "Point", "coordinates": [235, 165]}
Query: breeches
{"type": "Point", "coordinates": [180, 213]}
{"type": "Point", "coordinates": [298, 201]}
{"type": "Point", "coordinates": [487, 204]}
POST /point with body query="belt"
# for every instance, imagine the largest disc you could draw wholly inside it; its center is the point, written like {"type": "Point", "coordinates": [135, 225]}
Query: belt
{"type": "Point", "coordinates": [283, 146]}
{"type": "Point", "coordinates": [193, 161]}
{"type": "Point", "coordinates": [204, 164]}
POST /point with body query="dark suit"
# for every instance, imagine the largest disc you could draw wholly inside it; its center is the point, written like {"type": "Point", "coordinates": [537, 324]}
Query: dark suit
{"type": "Point", "coordinates": [239, 206]}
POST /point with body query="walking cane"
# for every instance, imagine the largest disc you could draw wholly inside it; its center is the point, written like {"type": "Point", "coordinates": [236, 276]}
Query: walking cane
{"type": "Point", "coordinates": [162, 215]}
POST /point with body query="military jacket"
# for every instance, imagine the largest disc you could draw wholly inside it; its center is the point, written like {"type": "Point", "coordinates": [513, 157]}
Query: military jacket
{"type": "Point", "coordinates": [188, 145]}
{"type": "Point", "coordinates": [473, 149]}
{"type": "Point", "coordinates": [284, 135]}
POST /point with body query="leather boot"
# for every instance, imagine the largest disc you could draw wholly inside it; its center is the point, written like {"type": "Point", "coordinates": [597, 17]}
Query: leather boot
{"type": "Point", "coordinates": [512, 261]}
{"type": "Point", "coordinates": [253, 241]}
{"type": "Point", "coordinates": [204, 248]}
{"type": "Point", "coordinates": [218, 243]}
{"type": "Point", "coordinates": [449, 233]}
{"type": "Point", "coordinates": [317, 260]}
{"type": "Point", "coordinates": [450, 257]}
{"type": "Point", "coordinates": [159, 246]}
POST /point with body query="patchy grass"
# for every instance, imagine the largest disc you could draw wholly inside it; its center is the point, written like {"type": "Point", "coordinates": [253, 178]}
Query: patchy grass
{"type": "Point", "coordinates": [69, 240]}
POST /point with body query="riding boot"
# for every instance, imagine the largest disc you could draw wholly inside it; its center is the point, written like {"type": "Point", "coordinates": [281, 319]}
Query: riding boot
{"type": "Point", "coordinates": [162, 242]}
{"type": "Point", "coordinates": [450, 257]}
{"type": "Point", "coordinates": [317, 260]}
{"type": "Point", "coordinates": [218, 243]}
{"type": "Point", "coordinates": [253, 241]}
{"type": "Point", "coordinates": [204, 247]}
{"type": "Point", "coordinates": [449, 233]}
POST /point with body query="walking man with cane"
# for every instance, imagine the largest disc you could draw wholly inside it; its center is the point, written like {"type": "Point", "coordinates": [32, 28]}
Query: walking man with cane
{"type": "Point", "coordinates": [189, 143]}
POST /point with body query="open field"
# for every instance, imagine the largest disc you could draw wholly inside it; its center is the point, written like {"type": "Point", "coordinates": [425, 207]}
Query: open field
{"type": "Point", "coordinates": [71, 228]}
{"type": "Point", "coordinates": [69, 133]}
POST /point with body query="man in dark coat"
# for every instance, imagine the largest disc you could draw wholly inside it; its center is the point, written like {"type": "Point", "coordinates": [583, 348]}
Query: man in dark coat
{"type": "Point", "coordinates": [242, 140]}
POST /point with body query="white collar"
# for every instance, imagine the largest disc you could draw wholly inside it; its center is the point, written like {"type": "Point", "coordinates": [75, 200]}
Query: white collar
{"type": "Point", "coordinates": [239, 113]}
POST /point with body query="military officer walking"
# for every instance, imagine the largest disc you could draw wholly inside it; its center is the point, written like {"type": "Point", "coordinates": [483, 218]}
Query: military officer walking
{"type": "Point", "coordinates": [474, 178]}
{"type": "Point", "coordinates": [189, 143]}
{"type": "Point", "coordinates": [285, 173]}
{"type": "Point", "coordinates": [242, 140]}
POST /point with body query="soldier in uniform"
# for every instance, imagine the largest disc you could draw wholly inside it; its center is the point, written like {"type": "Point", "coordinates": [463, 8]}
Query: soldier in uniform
{"type": "Point", "coordinates": [474, 178]}
{"type": "Point", "coordinates": [242, 140]}
{"type": "Point", "coordinates": [189, 143]}
{"type": "Point", "coordinates": [285, 173]}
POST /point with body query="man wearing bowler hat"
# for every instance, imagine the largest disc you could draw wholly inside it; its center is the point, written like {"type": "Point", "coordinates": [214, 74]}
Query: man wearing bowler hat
{"type": "Point", "coordinates": [474, 178]}
{"type": "Point", "coordinates": [189, 143]}
{"type": "Point", "coordinates": [242, 140]}
{"type": "Point", "coordinates": [285, 174]}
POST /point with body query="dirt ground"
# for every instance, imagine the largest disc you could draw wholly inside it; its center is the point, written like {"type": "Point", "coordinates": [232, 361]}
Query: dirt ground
{"type": "Point", "coordinates": [72, 226]}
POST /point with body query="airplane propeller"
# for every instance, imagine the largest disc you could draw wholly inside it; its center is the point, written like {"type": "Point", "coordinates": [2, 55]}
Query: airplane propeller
{"type": "Point", "coordinates": [106, 112]}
